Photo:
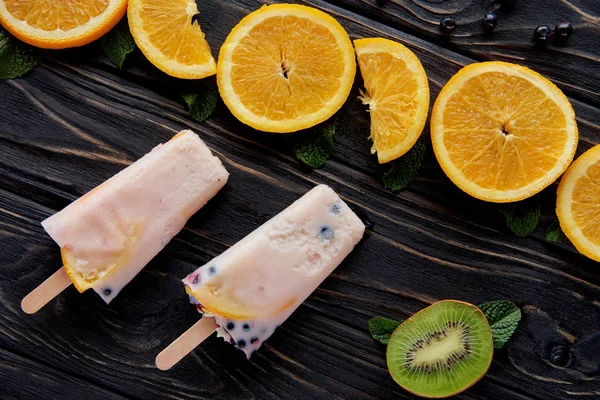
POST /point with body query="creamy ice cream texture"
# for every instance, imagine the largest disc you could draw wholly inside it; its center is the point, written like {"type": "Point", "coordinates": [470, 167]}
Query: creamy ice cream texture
{"type": "Point", "coordinates": [255, 285]}
{"type": "Point", "coordinates": [108, 235]}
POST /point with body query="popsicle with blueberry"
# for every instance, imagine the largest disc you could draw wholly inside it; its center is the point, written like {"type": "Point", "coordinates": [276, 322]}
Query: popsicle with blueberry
{"type": "Point", "coordinates": [249, 290]}
{"type": "Point", "coordinates": [108, 235]}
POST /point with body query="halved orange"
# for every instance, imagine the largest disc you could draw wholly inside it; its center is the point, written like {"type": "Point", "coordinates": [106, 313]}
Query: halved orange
{"type": "Point", "coordinates": [502, 132]}
{"type": "Point", "coordinates": [169, 35]}
{"type": "Point", "coordinates": [578, 203]}
{"type": "Point", "coordinates": [286, 67]}
{"type": "Point", "coordinates": [397, 93]}
{"type": "Point", "coordinates": [52, 24]}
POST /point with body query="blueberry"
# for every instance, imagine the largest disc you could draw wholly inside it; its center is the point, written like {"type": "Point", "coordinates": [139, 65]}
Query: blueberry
{"type": "Point", "coordinates": [230, 326]}
{"type": "Point", "coordinates": [447, 25]}
{"type": "Point", "coordinates": [107, 291]}
{"type": "Point", "coordinates": [562, 32]}
{"type": "Point", "coordinates": [246, 327]}
{"type": "Point", "coordinates": [335, 208]}
{"type": "Point", "coordinates": [326, 233]}
{"type": "Point", "coordinates": [542, 35]}
{"type": "Point", "coordinates": [212, 270]}
{"type": "Point", "coordinates": [559, 355]}
{"type": "Point", "coordinates": [241, 344]}
{"type": "Point", "coordinates": [489, 22]}
{"type": "Point", "coordinates": [254, 340]}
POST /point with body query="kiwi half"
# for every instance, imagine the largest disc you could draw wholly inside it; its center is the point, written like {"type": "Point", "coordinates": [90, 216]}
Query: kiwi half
{"type": "Point", "coordinates": [441, 350]}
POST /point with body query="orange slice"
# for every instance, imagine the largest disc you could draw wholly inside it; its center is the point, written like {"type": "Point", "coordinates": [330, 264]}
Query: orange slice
{"type": "Point", "coordinates": [286, 67]}
{"type": "Point", "coordinates": [168, 33]}
{"type": "Point", "coordinates": [578, 203]}
{"type": "Point", "coordinates": [90, 262]}
{"type": "Point", "coordinates": [397, 93]}
{"type": "Point", "coordinates": [502, 132]}
{"type": "Point", "coordinates": [52, 24]}
{"type": "Point", "coordinates": [243, 289]}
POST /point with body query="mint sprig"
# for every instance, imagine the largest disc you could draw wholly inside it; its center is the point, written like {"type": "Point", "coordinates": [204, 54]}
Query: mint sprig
{"type": "Point", "coordinates": [523, 218]}
{"type": "Point", "coordinates": [556, 234]}
{"type": "Point", "coordinates": [118, 43]}
{"type": "Point", "coordinates": [202, 101]}
{"type": "Point", "coordinates": [405, 168]}
{"type": "Point", "coordinates": [16, 57]}
{"type": "Point", "coordinates": [502, 315]}
{"type": "Point", "coordinates": [314, 150]}
{"type": "Point", "coordinates": [382, 328]}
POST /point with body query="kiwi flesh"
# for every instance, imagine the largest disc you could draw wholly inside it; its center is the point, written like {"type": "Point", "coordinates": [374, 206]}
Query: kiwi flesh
{"type": "Point", "coordinates": [441, 350]}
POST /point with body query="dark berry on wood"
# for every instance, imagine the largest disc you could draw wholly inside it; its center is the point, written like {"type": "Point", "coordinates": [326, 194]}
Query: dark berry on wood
{"type": "Point", "coordinates": [542, 35]}
{"type": "Point", "coordinates": [447, 25]}
{"type": "Point", "coordinates": [490, 21]}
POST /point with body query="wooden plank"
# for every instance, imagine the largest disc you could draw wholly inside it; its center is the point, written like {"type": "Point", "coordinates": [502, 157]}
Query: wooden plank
{"type": "Point", "coordinates": [75, 122]}
{"type": "Point", "coordinates": [26, 378]}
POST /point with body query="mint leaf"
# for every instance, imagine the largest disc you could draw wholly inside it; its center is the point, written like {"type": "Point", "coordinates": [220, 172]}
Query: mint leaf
{"type": "Point", "coordinates": [503, 317]}
{"type": "Point", "coordinates": [555, 234]}
{"type": "Point", "coordinates": [202, 102]}
{"type": "Point", "coordinates": [405, 168]}
{"type": "Point", "coordinates": [523, 218]}
{"type": "Point", "coordinates": [382, 328]}
{"type": "Point", "coordinates": [315, 150]}
{"type": "Point", "coordinates": [16, 57]}
{"type": "Point", "coordinates": [118, 43]}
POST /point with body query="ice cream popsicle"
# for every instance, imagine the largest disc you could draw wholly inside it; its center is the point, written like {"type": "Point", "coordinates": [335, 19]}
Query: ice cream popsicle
{"type": "Point", "coordinates": [253, 287]}
{"type": "Point", "coordinates": [108, 235]}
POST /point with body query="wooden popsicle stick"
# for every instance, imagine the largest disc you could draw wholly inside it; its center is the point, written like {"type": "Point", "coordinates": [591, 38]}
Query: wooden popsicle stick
{"type": "Point", "coordinates": [185, 343]}
{"type": "Point", "coordinates": [49, 289]}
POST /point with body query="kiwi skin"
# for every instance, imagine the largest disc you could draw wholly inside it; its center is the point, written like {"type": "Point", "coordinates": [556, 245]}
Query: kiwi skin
{"type": "Point", "coordinates": [397, 330]}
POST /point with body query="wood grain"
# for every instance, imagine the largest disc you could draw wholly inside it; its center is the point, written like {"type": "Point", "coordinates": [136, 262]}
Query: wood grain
{"type": "Point", "coordinates": [77, 120]}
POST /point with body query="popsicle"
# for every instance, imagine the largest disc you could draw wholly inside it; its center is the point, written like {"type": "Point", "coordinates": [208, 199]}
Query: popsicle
{"type": "Point", "coordinates": [249, 290]}
{"type": "Point", "coordinates": [108, 235]}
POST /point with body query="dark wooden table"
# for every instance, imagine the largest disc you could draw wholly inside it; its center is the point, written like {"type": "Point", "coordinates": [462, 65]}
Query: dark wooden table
{"type": "Point", "coordinates": [77, 120]}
